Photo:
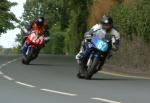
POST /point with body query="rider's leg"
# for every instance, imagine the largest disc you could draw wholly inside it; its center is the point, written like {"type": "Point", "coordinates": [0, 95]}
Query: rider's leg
{"type": "Point", "coordinates": [81, 52]}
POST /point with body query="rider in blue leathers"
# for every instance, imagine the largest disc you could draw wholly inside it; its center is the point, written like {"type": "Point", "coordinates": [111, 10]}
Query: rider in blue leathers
{"type": "Point", "coordinates": [106, 26]}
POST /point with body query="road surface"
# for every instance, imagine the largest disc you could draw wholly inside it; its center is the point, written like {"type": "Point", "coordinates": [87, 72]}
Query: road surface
{"type": "Point", "coordinates": [52, 79]}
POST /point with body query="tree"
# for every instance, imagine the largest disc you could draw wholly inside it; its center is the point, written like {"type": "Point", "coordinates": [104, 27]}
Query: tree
{"type": "Point", "coordinates": [66, 19]}
{"type": "Point", "coordinates": [37, 8]}
{"type": "Point", "coordinates": [133, 20]}
{"type": "Point", "coordinates": [78, 10]}
{"type": "Point", "coordinates": [7, 18]}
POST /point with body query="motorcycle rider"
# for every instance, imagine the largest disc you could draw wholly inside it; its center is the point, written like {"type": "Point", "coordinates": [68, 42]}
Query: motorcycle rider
{"type": "Point", "coordinates": [39, 25]}
{"type": "Point", "coordinates": [106, 26]}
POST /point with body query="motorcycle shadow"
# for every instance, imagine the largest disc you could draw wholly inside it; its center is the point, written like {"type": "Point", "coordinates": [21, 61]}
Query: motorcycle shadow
{"type": "Point", "coordinates": [114, 79]}
{"type": "Point", "coordinates": [40, 64]}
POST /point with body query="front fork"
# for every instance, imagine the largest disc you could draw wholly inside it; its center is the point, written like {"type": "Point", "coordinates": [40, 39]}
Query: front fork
{"type": "Point", "coordinates": [25, 49]}
{"type": "Point", "coordinates": [99, 59]}
{"type": "Point", "coordinates": [90, 59]}
{"type": "Point", "coordinates": [27, 52]}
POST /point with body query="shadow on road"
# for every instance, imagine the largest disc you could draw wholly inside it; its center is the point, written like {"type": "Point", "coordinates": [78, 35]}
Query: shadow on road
{"type": "Point", "coordinates": [54, 64]}
{"type": "Point", "coordinates": [115, 79]}
{"type": "Point", "coordinates": [42, 65]}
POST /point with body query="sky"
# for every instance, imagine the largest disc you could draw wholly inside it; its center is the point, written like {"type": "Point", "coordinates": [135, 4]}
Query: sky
{"type": "Point", "coordinates": [7, 40]}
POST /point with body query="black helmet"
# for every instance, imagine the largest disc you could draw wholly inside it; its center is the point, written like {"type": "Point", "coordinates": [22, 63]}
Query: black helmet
{"type": "Point", "coordinates": [107, 23]}
{"type": "Point", "coordinates": [40, 21]}
{"type": "Point", "coordinates": [107, 20]}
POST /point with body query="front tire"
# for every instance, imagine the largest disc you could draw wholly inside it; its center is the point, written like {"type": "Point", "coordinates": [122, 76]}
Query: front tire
{"type": "Point", "coordinates": [26, 59]}
{"type": "Point", "coordinates": [91, 70]}
{"type": "Point", "coordinates": [82, 69]}
{"type": "Point", "coordinates": [29, 56]}
{"type": "Point", "coordinates": [80, 76]}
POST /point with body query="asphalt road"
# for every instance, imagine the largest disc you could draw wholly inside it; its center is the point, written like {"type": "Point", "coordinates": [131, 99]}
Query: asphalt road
{"type": "Point", "coordinates": [52, 79]}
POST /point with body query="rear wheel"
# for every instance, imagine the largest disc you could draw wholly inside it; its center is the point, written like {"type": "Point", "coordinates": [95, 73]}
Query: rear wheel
{"type": "Point", "coordinates": [92, 69]}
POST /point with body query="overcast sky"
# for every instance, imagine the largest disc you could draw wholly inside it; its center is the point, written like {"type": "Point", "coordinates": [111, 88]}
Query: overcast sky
{"type": "Point", "coordinates": [8, 40]}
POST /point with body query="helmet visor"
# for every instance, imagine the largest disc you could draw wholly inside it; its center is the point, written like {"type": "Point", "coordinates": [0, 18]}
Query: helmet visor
{"type": "Point", "coordinates": [107, 26]}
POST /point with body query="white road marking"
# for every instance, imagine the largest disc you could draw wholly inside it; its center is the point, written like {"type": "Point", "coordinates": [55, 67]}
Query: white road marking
{"type": "Point", "coordinates": [25, 84]}
{"type": "Point", "coordinates": [11, 61]}
{"type": "Point", "coordinates": [4, 65]}
{"type": "Point", "coordinates": [126, 76]}
{"type": "Point", "coordinates": [58, 92]}
{"type": "Point", "coordinates": [8, 78]}
{"type": "Point", "coordinates": [104, 100]}
{"type": "Point", "coordinates": [8, 62]}
{"type": "Point", "coordinates": [1, 73]}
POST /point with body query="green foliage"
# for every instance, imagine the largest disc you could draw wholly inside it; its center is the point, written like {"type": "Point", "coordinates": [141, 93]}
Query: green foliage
{"type": "Point", "coordinates": [56, 43]}
{"type": "Point", "coordinates": [133, 20]}
{"type": "Point", "coordinates": [77, 24]}
{"type": "Point", "coordinates": [67, 21]}
{"type": "Point", "coordinates": [8, 51]}
{"type": "Point", "coordinates": [7, 18]}
{"type": "Point", "coordinates": [37, 8]}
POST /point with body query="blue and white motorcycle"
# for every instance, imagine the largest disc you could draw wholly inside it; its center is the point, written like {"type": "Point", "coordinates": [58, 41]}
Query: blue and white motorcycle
{"type": "Point", "coordinates": [96, 52]}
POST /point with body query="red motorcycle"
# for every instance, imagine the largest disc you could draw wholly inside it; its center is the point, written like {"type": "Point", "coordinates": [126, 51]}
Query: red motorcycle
{"type": "Point", "coordinates": [32, 46]}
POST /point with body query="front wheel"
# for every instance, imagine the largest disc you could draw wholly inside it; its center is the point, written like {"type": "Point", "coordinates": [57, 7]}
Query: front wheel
{"type": "Point", "coordinates": [92, 69]}
{"type": "Point", "coordinates": [82, 69]}
{"type": "Point", "coordinates": [80, 76]}
{"type": "Point", "coordinates": [26, 59]}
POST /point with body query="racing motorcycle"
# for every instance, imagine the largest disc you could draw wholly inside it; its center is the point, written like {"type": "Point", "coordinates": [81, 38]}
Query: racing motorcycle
{"type": "Point", "coordinates": [97, 50]}
{"type": "Point", "coordinates": [32, 46]}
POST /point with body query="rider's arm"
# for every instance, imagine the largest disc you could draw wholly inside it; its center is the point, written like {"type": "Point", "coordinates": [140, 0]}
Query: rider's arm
{"type": "Point", "coordinates": [92, 30]}
{"type": "Point", "coordinates": [46, 31]}
{"type": "Point", "coordinates": [116, 45]}
{"type": "Point", "coordinates": [30, 25]}
{"type": "Point", "coordinates": [116, 42]}
{"type": "Point", "coordinates": [46, 34]}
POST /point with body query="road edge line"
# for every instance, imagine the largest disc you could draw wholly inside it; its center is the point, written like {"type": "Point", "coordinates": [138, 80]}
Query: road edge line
{"type": "Point", "coordinates": [123, 75]}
